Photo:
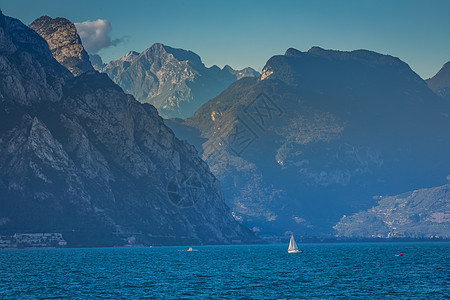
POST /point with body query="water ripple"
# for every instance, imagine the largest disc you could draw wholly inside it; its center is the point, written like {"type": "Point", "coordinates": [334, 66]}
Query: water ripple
{"type": "Point", "coordinates": [339, 271]}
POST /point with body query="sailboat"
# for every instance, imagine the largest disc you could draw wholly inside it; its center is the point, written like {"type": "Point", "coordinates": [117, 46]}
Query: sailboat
{"type": "Point", "coordinates": [293, 248]}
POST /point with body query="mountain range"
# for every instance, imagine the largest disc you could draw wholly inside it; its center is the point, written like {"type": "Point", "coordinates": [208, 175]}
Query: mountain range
{"type": "Point", "coordinates": [80, 157]}
{"type": "Point", "coordinates": [174, 80]}
{"type": "Point", "coordinates": [313, 145]}
{"type": "Point", "coordinates": [321, 134]}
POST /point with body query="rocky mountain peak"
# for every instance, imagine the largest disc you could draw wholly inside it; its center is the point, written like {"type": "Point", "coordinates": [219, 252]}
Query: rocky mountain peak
{"type": "Point", "coordinates": [174, 80]}
{"type": "Point", "coordinates": [64, 42]}
{"type": "Point", "coordinates": [161, 50]}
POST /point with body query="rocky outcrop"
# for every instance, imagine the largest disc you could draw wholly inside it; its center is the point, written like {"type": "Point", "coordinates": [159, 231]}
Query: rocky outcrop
{"type": "Point", "coordinates": [175, 81]}
{"type": "Point", "coordinates": [423, 213]}
{"type": "Point", "coordinates": [64, 42]}
{"type": "Point", "coordinates": [440, 83]}
{"type": "Point", "coordinates": [318, 135]}
{"type": "Point", "coordinates": [80, 157]}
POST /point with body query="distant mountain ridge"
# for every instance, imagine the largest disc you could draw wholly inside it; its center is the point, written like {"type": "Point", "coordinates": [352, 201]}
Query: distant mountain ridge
{"type": "Point", "coordinates": [81, 158]}
{"type": "Point", "coordinates": [174, 80]}
{"type": "Point", "coordinates": [323, 131]}
{"type": "Point", "coordinates": [246, 72]}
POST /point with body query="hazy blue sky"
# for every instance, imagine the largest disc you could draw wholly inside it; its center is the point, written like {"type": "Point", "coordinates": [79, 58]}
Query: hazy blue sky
{"type": "Point", "coordinates": [247, 33]}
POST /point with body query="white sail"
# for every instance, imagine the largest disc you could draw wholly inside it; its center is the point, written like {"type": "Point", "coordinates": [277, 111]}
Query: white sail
{"type": "Point", "coordinates": [293, 246]}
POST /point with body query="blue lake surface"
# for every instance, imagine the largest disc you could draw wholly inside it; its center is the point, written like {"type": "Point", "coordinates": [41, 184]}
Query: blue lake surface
{"type": "Point", "coordinates": [323, 271]}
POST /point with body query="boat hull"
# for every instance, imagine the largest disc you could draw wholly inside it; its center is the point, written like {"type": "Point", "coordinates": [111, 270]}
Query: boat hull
{"type": "Point", "coordinates": [295, 251]}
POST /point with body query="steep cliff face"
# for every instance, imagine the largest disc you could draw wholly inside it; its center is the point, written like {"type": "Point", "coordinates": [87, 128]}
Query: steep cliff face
{"type": "Point", "coordinates": [30, 74]}
{"type": "Point", "coordinates": [318, 135]}
{"type": "Point", "coordinates": [175, 81]}
{"type": "Point", "coordinates": [64, 42]}
{"type": "Point", "coordinates": [81, 157]}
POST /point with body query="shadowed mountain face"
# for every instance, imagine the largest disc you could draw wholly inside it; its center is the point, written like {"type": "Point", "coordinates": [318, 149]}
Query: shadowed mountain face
{"type": "Point", "coordinates": [440, 83]}
{"type": "Point", "coordinates": [81, 157]}
{"type": "Point", "coordinates": [64, 42]}
{"type": "Point", "coordinates": [318, 135]}
{"type": "Point", "coordinates": [175, 81]}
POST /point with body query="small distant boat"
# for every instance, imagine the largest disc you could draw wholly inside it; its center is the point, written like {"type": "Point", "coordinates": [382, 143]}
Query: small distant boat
{"type": "Point", "coordinates": [293, 248]}
{"type": "Point", "coordinates": [189, 250]}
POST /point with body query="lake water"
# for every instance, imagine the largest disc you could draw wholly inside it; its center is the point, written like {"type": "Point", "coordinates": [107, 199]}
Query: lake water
{"type": "Point", "coordinates": [323, 271]}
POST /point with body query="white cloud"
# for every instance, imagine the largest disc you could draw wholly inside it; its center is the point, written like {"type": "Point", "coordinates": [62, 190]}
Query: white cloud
{"type": "Point", "coordinates": [95, 35]}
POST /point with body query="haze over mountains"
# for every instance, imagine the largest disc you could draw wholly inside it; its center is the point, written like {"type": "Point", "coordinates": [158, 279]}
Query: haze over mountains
{"type": "Point", "coordinates": [80, 157]}
{"type": "Point", "coordinates": [319, 135]}
{"type": "Point", "coordinates": [175, 81]}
